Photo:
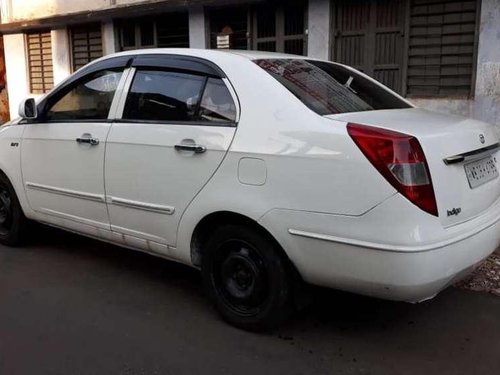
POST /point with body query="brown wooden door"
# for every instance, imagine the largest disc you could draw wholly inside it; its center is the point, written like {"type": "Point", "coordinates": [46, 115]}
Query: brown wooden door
{"type": "Point", "coordinates": [369, 35]}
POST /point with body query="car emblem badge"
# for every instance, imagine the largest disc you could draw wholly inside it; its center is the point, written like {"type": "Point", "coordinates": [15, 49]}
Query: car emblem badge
{"type": "Point", "coordinates": [481, 138]}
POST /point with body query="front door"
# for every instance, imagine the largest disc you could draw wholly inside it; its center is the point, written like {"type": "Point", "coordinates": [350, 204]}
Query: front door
{"type": "Point", "coordinates": [63, 153]}
{"type": "Point", "coordinates": [176, 127]}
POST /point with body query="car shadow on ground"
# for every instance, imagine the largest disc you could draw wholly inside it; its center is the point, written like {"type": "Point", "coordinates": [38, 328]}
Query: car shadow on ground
{"type": "Point", "coordinates": [326, 307]}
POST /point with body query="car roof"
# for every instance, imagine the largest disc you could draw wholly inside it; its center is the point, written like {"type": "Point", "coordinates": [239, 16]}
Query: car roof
{"type": "Point", "coordinates": [254, 55]}
{"type": "Point", "coordinates": [206, 53]}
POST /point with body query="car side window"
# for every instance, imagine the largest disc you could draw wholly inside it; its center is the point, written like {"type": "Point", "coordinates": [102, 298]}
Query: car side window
{"type": "Point", "coordinates": [158, 95]}
{"type": "Point", "coordinates": [217, 105]}
{"type": "Point", "coordinates": [89, 99]}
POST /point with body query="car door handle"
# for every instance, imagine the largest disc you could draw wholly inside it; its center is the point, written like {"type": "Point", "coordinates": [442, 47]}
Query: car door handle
{"type": "Point", "coordinates": [87, 138]}
{"type": "Point", "coordinates": [197, 149]}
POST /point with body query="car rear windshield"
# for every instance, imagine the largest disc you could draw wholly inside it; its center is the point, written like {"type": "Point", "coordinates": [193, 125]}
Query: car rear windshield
{"type": "Point", "coordinates": [328, 88]}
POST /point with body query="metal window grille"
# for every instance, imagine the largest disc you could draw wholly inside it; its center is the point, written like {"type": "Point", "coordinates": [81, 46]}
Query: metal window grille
{"type": "Point", "coordinates": [86, 44]}
{"type": "Point", "coordinates": [234, 17]}
{"type": "Point", "coordinates": [172, 30]}
{"type": "Point", "coordinates": [281, 28]}
{"type": "Point", "coordinates": [163, 31]}
{"type": "Point", "coordinates": [41, 73]}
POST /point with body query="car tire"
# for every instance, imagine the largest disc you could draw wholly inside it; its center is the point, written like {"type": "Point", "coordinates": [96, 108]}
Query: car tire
{"type": "Point", "coordinates": [247, 278]}
{"type": "Point", "coordinates": [12, 219]}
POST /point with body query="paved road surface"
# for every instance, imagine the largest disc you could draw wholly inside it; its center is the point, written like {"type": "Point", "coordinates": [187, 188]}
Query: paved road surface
{"type": "Point", "coordinates": [70, 305]}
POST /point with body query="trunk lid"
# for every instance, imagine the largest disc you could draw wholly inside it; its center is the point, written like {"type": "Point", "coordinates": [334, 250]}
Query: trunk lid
{"type": "Point", "coordinates": [460, 142]}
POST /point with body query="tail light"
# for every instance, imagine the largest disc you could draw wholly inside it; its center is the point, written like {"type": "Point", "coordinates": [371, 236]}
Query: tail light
{"type": "Point", "coordinates": [400, 159]}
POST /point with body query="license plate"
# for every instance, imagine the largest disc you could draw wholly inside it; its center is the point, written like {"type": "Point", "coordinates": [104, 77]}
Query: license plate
{"type": "Point", "coordinates": [481, 171]}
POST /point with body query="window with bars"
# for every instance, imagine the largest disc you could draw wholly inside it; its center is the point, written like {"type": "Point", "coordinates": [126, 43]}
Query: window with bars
{"type": "Point", "coordinates": [442, 42]}
{"type": "Point", "coordinates": [266, 27]}
{"type": "Point", "coordinates": [86, 44]}
{"type": "Point", "coordinates": [281, 28]}
{"type": "Point", "coordinates": [235, 18]}
{"type": "Point", "coordinates": [163, 31]}
{"type": "Point", "coordinates": [41, 73]}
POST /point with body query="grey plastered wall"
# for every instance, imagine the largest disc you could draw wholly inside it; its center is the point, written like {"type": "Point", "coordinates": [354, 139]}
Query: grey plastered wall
{"type": "Point", "coordinates": [487, 99]}
{"type": "Point", "coordinates": [486, 102]}
{"type": "Point", "coordinates": [319, 29]}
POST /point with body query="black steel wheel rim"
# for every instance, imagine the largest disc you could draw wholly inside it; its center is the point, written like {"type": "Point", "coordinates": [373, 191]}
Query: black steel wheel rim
{"type": "Point", "coordinates": [240, 277]}
{"type": "Point", "coordinates": [5, 211]}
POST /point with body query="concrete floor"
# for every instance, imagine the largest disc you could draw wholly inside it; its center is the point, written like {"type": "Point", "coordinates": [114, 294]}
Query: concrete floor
{"type": "Point", "coordinates": [70, 305]}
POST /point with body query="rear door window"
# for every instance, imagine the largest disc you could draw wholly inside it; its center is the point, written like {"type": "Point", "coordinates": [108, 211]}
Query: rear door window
{"type": "Point", "coordinates": [172, 96]}
{"type": "Point", "coordinates": [164, 96]}
{"type": "Point", "coordinates": [217, 105]}
{"type": "Point", "coordinates": [328, 88]}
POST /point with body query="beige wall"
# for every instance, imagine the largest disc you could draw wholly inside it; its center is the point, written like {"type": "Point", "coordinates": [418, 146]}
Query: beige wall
{"type": "Point", "coordinates": [17, 77]}
{"type": "Point", "coordinates": [18, 10]}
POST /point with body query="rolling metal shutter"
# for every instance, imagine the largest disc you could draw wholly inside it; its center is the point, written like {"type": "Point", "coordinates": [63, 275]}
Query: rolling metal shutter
{"type": "Point", "coordinates": [41, 73]}
{"type": "Point", "coordinates": [86, 44]}
{"type": "Point", "coordinates": [441, 47]}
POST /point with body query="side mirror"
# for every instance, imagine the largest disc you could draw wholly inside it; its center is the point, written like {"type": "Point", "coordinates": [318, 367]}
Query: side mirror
{"type": "Point", "coordinates": [27, 109]}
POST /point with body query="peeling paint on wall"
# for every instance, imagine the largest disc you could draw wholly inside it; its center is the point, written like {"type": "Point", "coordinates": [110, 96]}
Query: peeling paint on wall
{"type": "Point", "coordinates": [460, 107]}
{"type": "Point", "coordinates": [21, 10]}
{"type": "Point", "coordinates": [32, 9]}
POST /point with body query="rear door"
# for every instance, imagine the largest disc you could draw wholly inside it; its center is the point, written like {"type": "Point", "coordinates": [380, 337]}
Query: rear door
{"type": "Point", "coordinates": [175, 126]}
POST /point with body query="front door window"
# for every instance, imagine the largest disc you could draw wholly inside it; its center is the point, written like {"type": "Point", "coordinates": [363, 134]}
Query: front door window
{"type": "Point", "coordinates": [88, 100]}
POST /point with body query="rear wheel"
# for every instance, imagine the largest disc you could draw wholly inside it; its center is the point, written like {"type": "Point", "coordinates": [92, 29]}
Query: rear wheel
{"type": "Point", "coordinates": [246, 277]}
{"type": "Point", "coordinates": [12, 220]}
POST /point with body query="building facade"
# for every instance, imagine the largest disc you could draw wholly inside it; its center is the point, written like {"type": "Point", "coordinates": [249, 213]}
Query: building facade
{"type": "Point", "coordinates": [441, 54]}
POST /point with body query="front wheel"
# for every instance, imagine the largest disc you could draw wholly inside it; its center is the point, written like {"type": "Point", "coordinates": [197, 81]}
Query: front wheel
{"type": "Point", "coordinates": [12, 220]}
{"type": "Point", "coordinates": [246, 277]}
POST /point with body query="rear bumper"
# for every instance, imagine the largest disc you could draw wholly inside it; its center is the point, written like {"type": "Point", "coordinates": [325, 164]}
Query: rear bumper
{"type": "Point", "coordinates": [410, 259]}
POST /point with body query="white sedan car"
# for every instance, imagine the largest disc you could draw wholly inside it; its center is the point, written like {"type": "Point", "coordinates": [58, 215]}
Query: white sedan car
{"type": "Point", "coordinates": [260, 169]}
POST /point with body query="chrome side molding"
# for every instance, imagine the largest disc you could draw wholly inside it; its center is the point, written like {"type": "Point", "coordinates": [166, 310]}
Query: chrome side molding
{"type": "Point", "coordinates": [66, 192]}
{"type": "Point", "coordinates": [166, 210]}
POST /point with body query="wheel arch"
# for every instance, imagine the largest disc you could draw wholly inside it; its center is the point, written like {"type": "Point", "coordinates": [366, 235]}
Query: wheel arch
{"type": "Point", "coordinates": [208, 223]}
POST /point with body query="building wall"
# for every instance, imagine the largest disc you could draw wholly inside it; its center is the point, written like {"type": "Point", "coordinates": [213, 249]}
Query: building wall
{"type": "Point", "coordinates": [32, 9]}
{"type": "Point", "coordinates": [487, 100]}
{"type": "Point", "coordinates": [18, 10]}
{"type": "Point", "coordinates": [198, 28]}
{"type": "Point", "coordinates": [319, 29]}
{"type": "Point", "coordinates": [17, 77]}
{"type": "Point", "coordinates": [485, 105]}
